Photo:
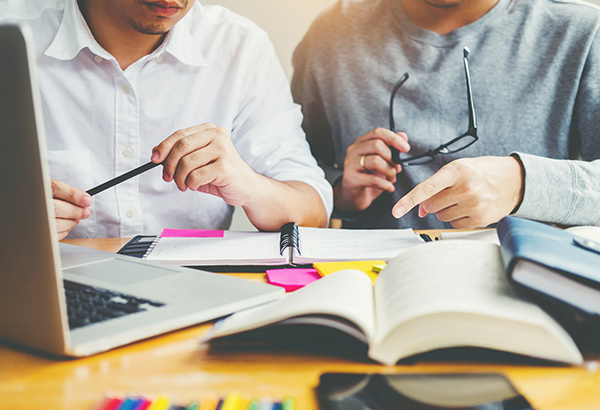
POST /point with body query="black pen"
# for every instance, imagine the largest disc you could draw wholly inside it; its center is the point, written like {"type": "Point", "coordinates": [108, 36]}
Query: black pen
{"type": "Point", "coordinates": [122, 178]}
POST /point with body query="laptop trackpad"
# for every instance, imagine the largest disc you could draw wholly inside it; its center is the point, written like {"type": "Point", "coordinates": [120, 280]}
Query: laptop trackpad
{"type": "Point", "coordinates": [119, 271]}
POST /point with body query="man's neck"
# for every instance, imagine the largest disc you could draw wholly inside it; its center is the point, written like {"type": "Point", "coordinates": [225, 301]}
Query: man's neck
{"type": "Point", "coordinates": [445, 16]}
{"type": "Point", "coordinates": [122, 41]}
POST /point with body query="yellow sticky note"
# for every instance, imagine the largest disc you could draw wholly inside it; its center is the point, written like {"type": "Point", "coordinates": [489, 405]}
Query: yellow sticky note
{"type": "Point", "coordinates": [377, 268]}
{"type": "Point", "coordinates": [325, 268]}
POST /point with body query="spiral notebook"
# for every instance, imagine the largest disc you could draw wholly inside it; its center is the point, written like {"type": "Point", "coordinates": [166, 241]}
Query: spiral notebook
{"type": "Point", "coordinates": [293, 245]}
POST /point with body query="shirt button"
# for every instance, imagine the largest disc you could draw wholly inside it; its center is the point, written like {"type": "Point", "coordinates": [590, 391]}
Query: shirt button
{"type": "Point", "coordinates": [336, 165]}
{"type": "Point", "coordinates": [130, 213]}
{"type": "Point", "coordinates": [127, 152]}
{"type": "Point", "coordinates": [159, 59]}
{"type": "Point", "coordinates": [126, 89]}
{"type": "Point", "coordinates": [98, 59]}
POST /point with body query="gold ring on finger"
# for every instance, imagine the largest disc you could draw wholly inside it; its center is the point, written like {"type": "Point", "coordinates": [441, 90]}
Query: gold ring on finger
{"type": "Point", "coordinates": [362, 162]}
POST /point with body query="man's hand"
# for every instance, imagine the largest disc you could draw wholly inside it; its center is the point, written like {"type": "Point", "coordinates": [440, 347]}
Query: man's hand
{"type": "Point", "coordinates": [469, 193]}
{"type": "Point", "coordinates": [203, 158]}
{"type": "Point", "coordinates": [70, 206]}
{"type": "Point", "coordinates": [368, 169]}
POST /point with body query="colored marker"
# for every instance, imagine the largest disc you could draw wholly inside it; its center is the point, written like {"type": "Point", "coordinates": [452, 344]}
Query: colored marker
{"type": "Point", "coordinates": [143, 404]}
{"type": "Point", "coordinates": [130, 403]}
{"type": "Point", "coordinates": [266, 404]}
{"type": "Point", "coordinates": [289, 403]}
{"type": "Point", "coordinates": [231, 402]}
{"type": "Point", "coordinates": [254, 405]}
{"type": "Point", "coordinates": [243, 404]}
{"type": "Point", "coordinates": [162, 403]}
{"type": "Point", "coordinates": [110, 403]}
{"type": "Point", "coordinates": [193, 406]}
{"type": "Point", "coordinates": [209, 403]}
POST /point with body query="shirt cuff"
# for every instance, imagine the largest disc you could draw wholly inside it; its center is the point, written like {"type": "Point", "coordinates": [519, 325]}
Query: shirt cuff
{"type": "Point", "coordinates": [547, 193]}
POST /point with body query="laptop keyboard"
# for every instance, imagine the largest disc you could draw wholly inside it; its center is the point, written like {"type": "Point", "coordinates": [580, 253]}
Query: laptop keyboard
{"type": "Point", "coordinates": [87, 305]}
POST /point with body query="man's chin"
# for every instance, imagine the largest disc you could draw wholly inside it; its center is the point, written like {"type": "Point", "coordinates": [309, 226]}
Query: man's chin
{"type": "Point", "coordinates": [153, 29]}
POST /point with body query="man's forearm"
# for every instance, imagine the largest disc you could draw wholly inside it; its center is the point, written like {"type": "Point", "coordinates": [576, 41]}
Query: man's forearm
{"type": "Point", "coordinates": [276, 203]}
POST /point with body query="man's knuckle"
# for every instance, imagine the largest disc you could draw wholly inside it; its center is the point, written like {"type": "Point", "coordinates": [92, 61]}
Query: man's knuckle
{"type": "Point", "coordinates": [179, 134]}
{"type": "Point", "coordinates": [380, 145]}
{"type": "Point", "coordinates": [409, 202]}
{"type": "Point", "coordinates": [379, 132]}
{"type": "Point", "coordinates": [186, 162]}
{"type": "Point", "coordinates": [429, 187]}
{"type": "Point", "coordinates": [185, 144]}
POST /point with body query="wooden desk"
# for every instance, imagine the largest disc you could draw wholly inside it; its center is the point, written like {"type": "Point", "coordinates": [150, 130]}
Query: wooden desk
{"type": "Point", "coordinates": [177, 365]}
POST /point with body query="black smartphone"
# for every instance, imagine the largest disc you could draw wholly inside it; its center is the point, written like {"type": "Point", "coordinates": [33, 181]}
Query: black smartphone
{"type": "Point", "coordinates": [433, 391]}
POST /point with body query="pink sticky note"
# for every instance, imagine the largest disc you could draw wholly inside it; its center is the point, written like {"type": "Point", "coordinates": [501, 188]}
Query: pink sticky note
{"type": "Point", "coordinates": [292, 278]}
{"type": "Point", "coordinates": [191, 233]}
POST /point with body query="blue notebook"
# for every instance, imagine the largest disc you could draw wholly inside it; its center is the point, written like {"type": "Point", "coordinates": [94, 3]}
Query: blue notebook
{"type": "Point", "coordinates": [552, 261]}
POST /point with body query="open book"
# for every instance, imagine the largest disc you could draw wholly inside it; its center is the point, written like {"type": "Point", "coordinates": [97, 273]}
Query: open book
{"type": "Point", "coordinates": [292, 246]}
{"type": "Point", "coordinates": [435, 295]}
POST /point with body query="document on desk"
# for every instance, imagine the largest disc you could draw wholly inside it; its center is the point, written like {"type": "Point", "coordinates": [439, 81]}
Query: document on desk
{"type": "Point", "coordinates": [292, 246]}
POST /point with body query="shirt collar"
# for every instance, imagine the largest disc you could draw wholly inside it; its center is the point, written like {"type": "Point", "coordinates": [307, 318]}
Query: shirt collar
{"type": "Point", "coordinates": [415, 32]}
{"type": "Point", "coordinates": [74, 35]}
{"type": "Point", "coordinates": [180, 42]}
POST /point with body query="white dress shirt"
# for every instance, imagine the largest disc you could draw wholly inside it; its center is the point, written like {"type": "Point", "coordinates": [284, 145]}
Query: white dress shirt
{"type": "Point", "coordinates": [100, 121]}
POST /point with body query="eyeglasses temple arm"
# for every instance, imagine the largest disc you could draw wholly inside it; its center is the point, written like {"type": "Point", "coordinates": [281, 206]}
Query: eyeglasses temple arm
{"type": "Point", "coordinates": [401, 80]}
{"type": "Point", "coordinates": [472, 116]}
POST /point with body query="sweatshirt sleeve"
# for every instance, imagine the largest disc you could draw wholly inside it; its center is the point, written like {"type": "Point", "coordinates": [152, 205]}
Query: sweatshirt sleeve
{"type": "Point", "coordinates": [566, 192]}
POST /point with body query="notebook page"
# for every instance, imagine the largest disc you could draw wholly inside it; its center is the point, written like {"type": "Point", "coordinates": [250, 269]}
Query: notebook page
{"type": "Point", "coordinates": [354, 244]}
{"type": "Point", "coordinates": [235, 247]}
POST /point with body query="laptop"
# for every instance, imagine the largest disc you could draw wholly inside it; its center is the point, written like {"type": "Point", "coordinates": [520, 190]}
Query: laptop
{"type": "Point", "coordinates": [69, 300]}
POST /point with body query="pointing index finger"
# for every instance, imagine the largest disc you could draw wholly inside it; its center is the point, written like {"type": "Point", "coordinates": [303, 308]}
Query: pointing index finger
{"type": "Point", "coordinates": [431, 186]}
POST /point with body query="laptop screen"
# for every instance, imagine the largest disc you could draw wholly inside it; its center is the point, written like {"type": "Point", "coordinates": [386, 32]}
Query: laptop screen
{"type": "Point", "coordinates": [29, 283]}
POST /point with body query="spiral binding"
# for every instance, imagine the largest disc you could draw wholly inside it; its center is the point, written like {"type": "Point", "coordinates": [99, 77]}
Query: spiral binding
{"type": "Point", "coordinates": [289, 239]}
{"type": "Point", "coordinates": [151, 247]}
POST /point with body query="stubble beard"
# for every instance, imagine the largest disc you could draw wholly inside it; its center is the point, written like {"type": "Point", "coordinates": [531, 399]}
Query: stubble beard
{"type": "Point", "coordinates": [151, 29]}
{"type": "Point", "coordinates": [154, 28]}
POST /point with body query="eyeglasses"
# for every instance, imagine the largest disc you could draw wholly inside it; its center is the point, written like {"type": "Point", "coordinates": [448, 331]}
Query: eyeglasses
{"type": "Point", "coordinates": [457, 144]}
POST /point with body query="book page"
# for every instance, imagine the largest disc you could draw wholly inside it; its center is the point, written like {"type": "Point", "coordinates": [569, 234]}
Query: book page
{"type": "Point", "coordinates": [234, 247]}
{"type": "Point", "coordinates": [484, 235]}
{"type": "Point", "coordinates": [455, 293]}
{"type": "Point", "coordinates": [317, 244]}
{"type": "Point", "coordinates": [588, 232]}
{"type": "Point", "coordinates": [347, 294]}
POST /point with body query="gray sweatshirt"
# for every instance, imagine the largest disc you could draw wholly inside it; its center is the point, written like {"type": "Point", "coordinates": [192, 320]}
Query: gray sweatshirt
{"type": "Point", "coordinates": [535, 74]}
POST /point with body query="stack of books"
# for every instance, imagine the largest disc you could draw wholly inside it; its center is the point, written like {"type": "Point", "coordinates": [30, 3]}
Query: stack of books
{"type": "Point", "coordinates": [559, 269]}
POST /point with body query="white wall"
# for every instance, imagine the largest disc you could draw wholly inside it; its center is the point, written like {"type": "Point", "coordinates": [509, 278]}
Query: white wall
{"type": "Point", "coordinates": [285, 21]}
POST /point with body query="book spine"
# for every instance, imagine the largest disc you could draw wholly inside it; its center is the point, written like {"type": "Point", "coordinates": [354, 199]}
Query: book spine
{"type": "Point", "coordinates": [289, 240]}
{"type": "Point", "coordinates": [508, 247]}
